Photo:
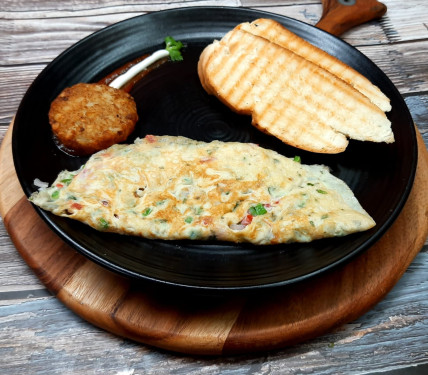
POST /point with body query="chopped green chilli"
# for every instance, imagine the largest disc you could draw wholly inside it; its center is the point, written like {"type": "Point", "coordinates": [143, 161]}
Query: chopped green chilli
{"type": "Point", "coordinates": [198, 210]}
{"type": "Point", "coordinates": [103, 223]}
{"type": "Point", "coordinates": [321, 191]}
{"type": "Point", "coordinates": [257, 210]}
{"type": "Point", "coordinates": [67, 181]}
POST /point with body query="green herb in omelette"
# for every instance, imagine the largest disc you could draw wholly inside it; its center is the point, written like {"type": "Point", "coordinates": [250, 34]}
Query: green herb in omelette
{"type": "Point", "coordinates": [103, 223]}
{"type": "Point", "coordinates": [67, 181]}
{"type": "Point", "coordinates": [198, 210]}
{"type": "Point", "coordinates": [257, 210]}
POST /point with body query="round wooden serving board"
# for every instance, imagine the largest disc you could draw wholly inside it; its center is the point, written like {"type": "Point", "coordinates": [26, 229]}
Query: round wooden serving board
{"type": "Point", "coordinates": [206, 325]}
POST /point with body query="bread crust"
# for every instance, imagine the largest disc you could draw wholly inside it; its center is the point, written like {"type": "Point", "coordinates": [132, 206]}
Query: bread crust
{"type": "Point", "coordinates": [288, 96]}
{"type": "Point", "coordinates": [278, 34]}
{"type": "Point", "coordinates": [89, 117]}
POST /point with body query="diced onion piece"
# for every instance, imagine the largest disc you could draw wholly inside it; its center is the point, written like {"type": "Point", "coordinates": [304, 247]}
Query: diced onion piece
{"type": "Point", "coordinates": [40, 184]}
{"type": "Point", "coordinates": [237, 226]}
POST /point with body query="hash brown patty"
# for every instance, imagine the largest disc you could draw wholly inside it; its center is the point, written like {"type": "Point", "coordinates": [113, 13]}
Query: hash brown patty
{"type": "Point", "coordinates": [89, 117]}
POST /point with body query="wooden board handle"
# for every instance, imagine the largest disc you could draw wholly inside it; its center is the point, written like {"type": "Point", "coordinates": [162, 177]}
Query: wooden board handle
{"type": "Point", "coordinates": [341, 15]}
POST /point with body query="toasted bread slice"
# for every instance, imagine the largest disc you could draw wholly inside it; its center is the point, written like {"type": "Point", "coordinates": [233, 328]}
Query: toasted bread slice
{"type": "Point", "coordinates": [276, 33]}
{"type": "Point", "coordinates": [288, 96]}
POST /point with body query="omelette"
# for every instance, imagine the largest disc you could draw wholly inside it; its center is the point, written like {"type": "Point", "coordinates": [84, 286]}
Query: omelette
{"type": "Point", "coordinates": [173, 188]}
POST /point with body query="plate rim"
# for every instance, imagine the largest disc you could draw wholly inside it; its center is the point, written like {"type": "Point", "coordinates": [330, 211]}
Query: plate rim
{"type": "Point", "coordinates": [117, 268]}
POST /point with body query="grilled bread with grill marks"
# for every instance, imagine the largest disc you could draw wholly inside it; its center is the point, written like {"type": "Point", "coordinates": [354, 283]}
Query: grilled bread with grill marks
{"type": "Point", "coordinates": [288, 96]}
{"type": "Point", "coordinates": [276, 33]}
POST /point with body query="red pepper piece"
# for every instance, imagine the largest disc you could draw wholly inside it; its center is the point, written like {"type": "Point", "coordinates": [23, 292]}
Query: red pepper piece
{"type": "Point", "coordinates": [150, 138]}
{"type": "Point", "coordinates": [247, 219]}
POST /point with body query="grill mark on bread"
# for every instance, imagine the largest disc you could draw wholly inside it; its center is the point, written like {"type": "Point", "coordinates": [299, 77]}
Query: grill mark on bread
{"type": "Point", "coordinates": [285, 132]}
{"type": "Point", "coordinates": [330, 106]}
{"type": "Point", "coordinates": [278, 34]}
{"type": "Point", "coordinates": [244, 97]}
{"type": "Point", "coordinates": [264, 64]}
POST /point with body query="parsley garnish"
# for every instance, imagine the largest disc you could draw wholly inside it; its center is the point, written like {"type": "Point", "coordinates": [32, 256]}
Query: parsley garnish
{"type": "Point", "coordinates": [173, 47]}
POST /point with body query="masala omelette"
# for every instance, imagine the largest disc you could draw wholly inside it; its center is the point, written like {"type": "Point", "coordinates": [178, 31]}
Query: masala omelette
{"type": "Point", "coordinates": [172, 187]}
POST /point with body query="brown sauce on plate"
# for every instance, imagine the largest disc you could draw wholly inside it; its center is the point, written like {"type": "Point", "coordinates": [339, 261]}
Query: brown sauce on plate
{"type": "Point", "coordinates": [126, 88]}
{"type": "Point", "coordinates": [124, 68]}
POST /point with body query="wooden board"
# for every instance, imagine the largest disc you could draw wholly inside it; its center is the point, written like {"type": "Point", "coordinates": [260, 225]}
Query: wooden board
{"type": "Point", "coordinates": [221, 325]}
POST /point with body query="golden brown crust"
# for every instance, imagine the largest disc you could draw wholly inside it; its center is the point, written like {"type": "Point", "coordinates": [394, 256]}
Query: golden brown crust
{"type": "Point", "coordinates": [86, 117]}
{"type": "Point", "coordinates": [278, 34]}
{"type": "Point", "coordinates": [288, 96]}
{"type": "Point", "coordinates": [174, 188]}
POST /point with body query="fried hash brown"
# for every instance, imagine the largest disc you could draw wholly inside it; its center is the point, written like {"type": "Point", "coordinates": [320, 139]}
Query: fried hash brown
{"type": "Point", "coordinates": [89, 117]}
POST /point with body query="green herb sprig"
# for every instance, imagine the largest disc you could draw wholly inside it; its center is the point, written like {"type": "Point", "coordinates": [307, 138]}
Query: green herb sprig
{"type": "Point", "coordinates": [173, 47]}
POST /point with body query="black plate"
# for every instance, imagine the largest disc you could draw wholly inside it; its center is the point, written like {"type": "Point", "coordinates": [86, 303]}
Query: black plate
{"type": "Point", "coordinates": [171, 101]}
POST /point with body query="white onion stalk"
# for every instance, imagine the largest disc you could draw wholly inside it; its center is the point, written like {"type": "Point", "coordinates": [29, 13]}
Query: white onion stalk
{"type": "Point", "coordinates": [40, 184]}
{"type": "Point", "coordinates": [172, 50]}
{"type": "Point", "coordinates": [123, 79]}
{"type": "Point", "coordinates": [237, 226]}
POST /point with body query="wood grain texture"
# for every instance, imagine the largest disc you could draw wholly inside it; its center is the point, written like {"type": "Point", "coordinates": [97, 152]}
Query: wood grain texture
{"type": "Point", "coordinates": [49, 338]}
{"type": "Point", "coordinates": [24, 31]}
{"type": "Point", "coordinates": [340, 16]}
{"type": "Point", "coordinates": [205, 325]}
{"type": "Point", "coordinates": [25, 52]}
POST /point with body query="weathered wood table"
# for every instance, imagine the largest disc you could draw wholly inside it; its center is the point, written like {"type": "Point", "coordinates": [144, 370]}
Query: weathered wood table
{"type": "Point", "coordinates": [40, 335]}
